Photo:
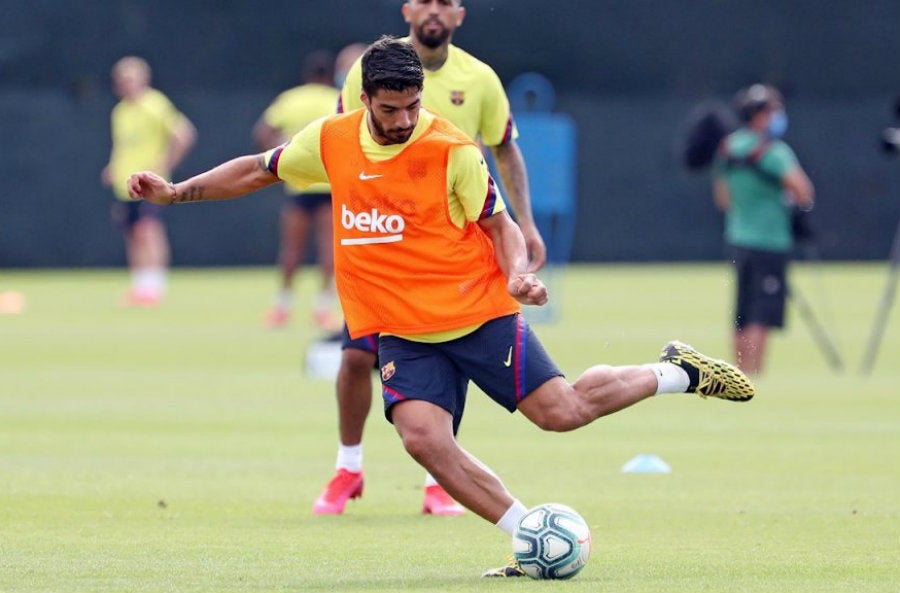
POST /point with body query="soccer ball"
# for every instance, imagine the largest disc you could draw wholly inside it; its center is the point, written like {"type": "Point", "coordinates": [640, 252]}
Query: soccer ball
{"type": "Point", "coordinates": [552, 541]}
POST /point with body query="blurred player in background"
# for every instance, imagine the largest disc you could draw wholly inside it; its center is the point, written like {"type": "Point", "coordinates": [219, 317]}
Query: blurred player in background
{"type": "Point", "coordinates": [757, 180]}
{"type": "Point", "coordinates": [305, 209]}
{"type": "Point", "coordinates": [469, 93]}
{"type": "Point", "coordinates": [345, 60]}
{"type": "Point", "coordinates": [147, 132]}
{"type": "Point", "coordinates": [428, 258]}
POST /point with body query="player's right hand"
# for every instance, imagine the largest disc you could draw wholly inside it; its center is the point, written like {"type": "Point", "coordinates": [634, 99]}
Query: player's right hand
{"type": "Point", "coordinates": [147, 185]}
{"type": "Point", "coordinates": [528, 289]}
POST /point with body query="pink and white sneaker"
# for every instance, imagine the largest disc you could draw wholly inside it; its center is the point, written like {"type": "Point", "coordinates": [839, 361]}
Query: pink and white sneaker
{"type": "Point", "coordinates": [278, 317]}
{"type": "Point", "coordinates": [342, 487]}
{"type": "Point", "coordinates": [146, 299]}
{"type": "Point", "coordinates": [438, 502]}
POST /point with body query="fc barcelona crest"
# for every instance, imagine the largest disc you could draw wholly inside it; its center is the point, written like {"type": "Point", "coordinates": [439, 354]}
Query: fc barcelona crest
{"type": "Point", "coordinates": [388, 370]}
{"type": "Point", "coordinates": [457, 97]}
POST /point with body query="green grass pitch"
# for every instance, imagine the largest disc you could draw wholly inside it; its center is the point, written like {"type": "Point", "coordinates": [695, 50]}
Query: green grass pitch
{"type": "Point", "coordinates": [179, 449]}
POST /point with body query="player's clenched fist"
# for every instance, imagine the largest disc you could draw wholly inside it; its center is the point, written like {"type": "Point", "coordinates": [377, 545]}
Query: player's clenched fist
{"type": "Point", "coordinates": [149, 186]}
{"type": "Point", "coordinates": [528, 289]}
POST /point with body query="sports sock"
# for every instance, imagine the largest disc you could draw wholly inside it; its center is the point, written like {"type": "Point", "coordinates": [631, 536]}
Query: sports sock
{"type": "Point", "coordinates": [350, 458]}
{"type": "Point", "coordinates": [429, 480]}
{"type": "Point", "coordinates": [671, 378]}
{"type": "Point", "coordinates": [149, 281]}
{"type": "Point", "coordinates": [325, 299]}
{"type": "Point", "coordinates": [284, 298]}
{"type": "Point", "coordinates": [510, 519]}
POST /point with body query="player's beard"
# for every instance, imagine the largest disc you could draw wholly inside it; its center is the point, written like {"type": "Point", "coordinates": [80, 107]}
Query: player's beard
{"type": "Point", "coordinates": [395, 136]}
{"type": "Point", "coordinates": [433, 40]}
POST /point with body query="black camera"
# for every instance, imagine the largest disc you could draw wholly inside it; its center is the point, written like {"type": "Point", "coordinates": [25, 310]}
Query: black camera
{"type": "Point", "coordinates": [890, 137]}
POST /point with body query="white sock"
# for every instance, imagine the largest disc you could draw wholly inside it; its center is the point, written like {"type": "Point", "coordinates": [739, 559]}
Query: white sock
{"type": "Point", "coordinates": [510, 519]}
{"type": "Point", "coordinates": [160, 279]}
{"type": "Point", "coordinates": [670, 377]}
{"type": "Point", "coordinates": [284, 299]}
{"type": "Point", "coordinates": [429, 480]}
{"type": "Point", "coordinates": [149, 280]}
{"type": "Point", "coordinates": [350, 458]}
{"type": "Point", "coordinates": [325, 299]}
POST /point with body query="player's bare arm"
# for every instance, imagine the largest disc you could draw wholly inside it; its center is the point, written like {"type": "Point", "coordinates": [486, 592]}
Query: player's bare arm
{"type": "Point", "coordinates": [721, 194]}
{"type": "Point", "coordinates": [509, 250]}
{"type": "Point", "coordinates": [511, 166]}
{"type": "Point", "coordinates": [231, 179]}
{"type": "Point", "coordinates": [183, 138]}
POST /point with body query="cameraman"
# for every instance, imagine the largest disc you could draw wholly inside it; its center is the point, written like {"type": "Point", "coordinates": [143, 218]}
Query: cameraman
{"type": "Point", "coordinates": [757, 181]}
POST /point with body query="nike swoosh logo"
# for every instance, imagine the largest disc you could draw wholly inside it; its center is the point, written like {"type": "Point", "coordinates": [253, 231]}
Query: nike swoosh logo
{"type": "Point", "coordinates": [364, 177]}
{"type": "Point", "coordinates": [508, 360]}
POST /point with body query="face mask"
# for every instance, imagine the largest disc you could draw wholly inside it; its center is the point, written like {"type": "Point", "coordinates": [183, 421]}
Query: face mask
{"type": "Point", "coordinates": [778, 124]}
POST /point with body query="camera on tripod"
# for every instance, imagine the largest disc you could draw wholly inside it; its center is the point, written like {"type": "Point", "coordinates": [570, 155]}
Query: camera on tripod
{"type": "Point", "coordinates": [890, 137]}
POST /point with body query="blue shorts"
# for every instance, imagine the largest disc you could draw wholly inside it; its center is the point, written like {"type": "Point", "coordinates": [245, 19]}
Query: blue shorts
{"type": "Point", "coordinates": [367, 343]}
{"type": "Point", "coordinates": [761, 287]}
{"type": "Point", "coordinates": [503, 357]}
{"type": "Point", "coordinates": [308, 203]}
{"type": "Point", "coordinates": [126, 214]}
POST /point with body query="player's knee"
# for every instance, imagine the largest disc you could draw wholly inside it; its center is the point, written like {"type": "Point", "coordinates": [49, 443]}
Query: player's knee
{"type": "Point", "coordinates": [555, 407]}
{"type": "Point", "coordinates": [562, 415]}
{"type": "Point", "coordinates": [357, 362]}
{"type": "Point", "coordinates": [145, 229]}
{"type": "Point", "coordinates": [558, 419]}
{"type": "Point", "coordinates": [419, 443]}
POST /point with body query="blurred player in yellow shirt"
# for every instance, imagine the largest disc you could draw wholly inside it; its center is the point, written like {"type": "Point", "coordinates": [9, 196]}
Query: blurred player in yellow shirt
{"type": "Point", "coordinates": [345, 60]}
{"type": "Point", "coordinates": [469, 93]}
{"type": "Point", "coordinates": [147, 132]}
{"type": "Point", "coordinates": [308, 208]}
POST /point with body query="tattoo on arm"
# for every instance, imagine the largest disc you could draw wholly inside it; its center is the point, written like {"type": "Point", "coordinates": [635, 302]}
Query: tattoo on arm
{"type": "Point", "coordinates": [189, 194]}
{"type": "Point", "coordinates": [235, 178]}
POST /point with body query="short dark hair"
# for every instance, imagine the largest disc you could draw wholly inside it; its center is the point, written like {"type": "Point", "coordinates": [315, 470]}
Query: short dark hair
{"type": "Point", "coordinates": [318, 67]}
{"type": "Point", "coordinates": [391, 64]}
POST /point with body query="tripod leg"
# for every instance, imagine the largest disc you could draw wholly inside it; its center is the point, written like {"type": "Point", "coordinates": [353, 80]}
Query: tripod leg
{"type": "Point", "coordinates": [823, 340]}
{"type": "Point", "coordinates": [887, 301]}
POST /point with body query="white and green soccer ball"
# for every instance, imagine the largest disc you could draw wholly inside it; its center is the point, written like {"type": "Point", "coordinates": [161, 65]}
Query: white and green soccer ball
{"type": "Point", "coordinates": [552, 541]}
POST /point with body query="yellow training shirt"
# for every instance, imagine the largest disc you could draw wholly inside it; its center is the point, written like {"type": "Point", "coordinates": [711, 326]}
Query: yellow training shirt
{"type": "Point", "coordinates": [464, 90]}
{"type": "Point", "coordinates": [294, 109]}
{"type": "Point", "coordinates": [141, 134]}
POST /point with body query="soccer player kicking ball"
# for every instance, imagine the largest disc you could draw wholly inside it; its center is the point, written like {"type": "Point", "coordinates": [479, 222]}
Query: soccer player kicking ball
{"type": "Point", "coordinates": [466, 91]}
{"type": "Point", "coordinates": [427, 256]}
